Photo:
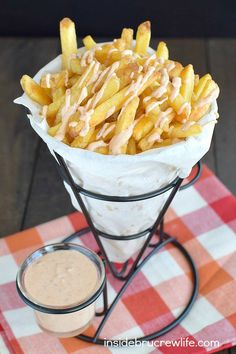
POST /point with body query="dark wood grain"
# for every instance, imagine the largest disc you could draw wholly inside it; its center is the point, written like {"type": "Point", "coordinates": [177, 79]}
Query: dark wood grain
{"type": "Point", "coordinates": [48, 197]}
{"type": "Point", "coordinates": [222, 54]}
{"type": "Point", "coordinates": [18, 142]}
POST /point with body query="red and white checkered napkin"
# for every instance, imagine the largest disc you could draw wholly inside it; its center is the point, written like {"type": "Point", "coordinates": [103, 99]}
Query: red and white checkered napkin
{"type": "Point", "coordinates": [203, 218]}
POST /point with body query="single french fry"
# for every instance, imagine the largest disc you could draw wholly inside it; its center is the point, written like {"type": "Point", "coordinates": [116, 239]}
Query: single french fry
{"type": "Point", "coordinates": [101, 55]}
{"type": "Point", "coordinates": [151, 106]}
{"type": "Point", "coordinates": [198, 113]}
{"type": "Point", "coordinates": [58, 93]}
{"type": "Point", "coordinates": [93, 137]}
{"type": "Point", "coordinates": [208, 88]}
{"type": "Point", "coordinates": [127, 36]}
{"type": "Point", "coordinates": [176, 71]}
{"type": "Point", "coordinates": [118, 144]}
{"type": "Point", "coordinates": [127, 115]}
{"type": "Point", "coordinates": [104, 150]}
{"type": "Point", "coordinates": [163, 143]}
{"type": "Point", "coordinates": [75, 66]}
{"type": "Point", "coordinates": [111, 88]}
{"type": "Point", "coordinates": [131, 147]}
{"type": "Point", "coordinates": [112, 56]}
{"type": "Point", "coordinates": [89, 42]}
{"type": "Point", "coordinates": [83, 141]}
{"type": "Point", "coordinates": [196, 80]}
{"type": "Point", "coordinates": [143, 38]}
{"type": "Point", "coordinates": [53, 130]}
{"type": "Point", "coordinates": [177, 105]}
{"type": "Point", "coordinates": [200, 86]}
{"type": "Point", "coordinates": [119, 44]}
{"type": "Point", "coordinates": [34, 91]}
{"type": "Point", "coordinates": [68, 41]}
{"type": "Point", "coordinates": [82, 81]}
{"type": "Point", "coordinates": [142, 128]}
{"type": "Point", "coordinates": [148, 141]}
{"type": "Point", "coordinates": [179, 131]}
{"type": "Point", "coordinates": [53, 109]}
{"type": "Point", "coordinates": [162, 51]}
{"type": "Point", "coordinates": [187, 76]}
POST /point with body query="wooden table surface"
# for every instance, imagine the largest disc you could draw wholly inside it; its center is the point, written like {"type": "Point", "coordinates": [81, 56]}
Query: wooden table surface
{"type": "Point", "coordinates": [31, 189]}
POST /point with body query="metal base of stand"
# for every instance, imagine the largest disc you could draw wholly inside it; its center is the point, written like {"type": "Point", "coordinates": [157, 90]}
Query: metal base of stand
{"type": "Point", "coordinates": [166, 239]}
{"type": "Point", "coordinates": [127, 273]}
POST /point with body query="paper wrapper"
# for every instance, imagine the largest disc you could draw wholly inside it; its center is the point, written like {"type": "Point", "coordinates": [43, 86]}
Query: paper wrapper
{"type": "Point", "coordinates": [123, 175]}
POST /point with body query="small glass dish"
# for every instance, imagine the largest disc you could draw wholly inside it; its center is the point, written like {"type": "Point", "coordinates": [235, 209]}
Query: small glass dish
{"type": "Point", "coordinates": [67, 321]}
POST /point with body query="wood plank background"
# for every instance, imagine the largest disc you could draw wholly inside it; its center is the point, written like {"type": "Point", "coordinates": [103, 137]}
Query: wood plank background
{"type": "Point", "coordinates": [31, 189]}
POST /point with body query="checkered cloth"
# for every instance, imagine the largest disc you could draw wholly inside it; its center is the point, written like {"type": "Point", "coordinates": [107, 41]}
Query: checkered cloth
{"type": "Point", "coordinates": [203, 218]}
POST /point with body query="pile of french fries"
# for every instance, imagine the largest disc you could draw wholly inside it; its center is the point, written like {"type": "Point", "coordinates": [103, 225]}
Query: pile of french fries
{"type": "Point", "coordinates": [117, 98]}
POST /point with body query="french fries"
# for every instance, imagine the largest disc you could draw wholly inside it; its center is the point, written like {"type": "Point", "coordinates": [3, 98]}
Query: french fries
{"type": "Point", "coordinates": [187, 76]}
{"type": "Point", "coordinates": [89, 42]}
{"type": "Point", "coordinates": [143, 37]}
{"type": "Point", "coordinates": [162, 51]}
{"type": "Point", "coordinates": [124, 128]}
{"type": "Point", "coordinates": [34, 91]}
{"type": "Point", "coordinates": [68, 41]}
{"type": "Point", "coordinates": [148, 141]}
{"type": "Point", "coordinates": [178, 131]}
{"type": "Point", "coordinates": [127, 36]}
{"type": "Point", "coordinates": [117, 98]}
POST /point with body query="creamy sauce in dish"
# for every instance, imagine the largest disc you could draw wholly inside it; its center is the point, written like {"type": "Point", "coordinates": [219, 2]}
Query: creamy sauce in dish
{"type": "Point", "coordinates": [61, 278]}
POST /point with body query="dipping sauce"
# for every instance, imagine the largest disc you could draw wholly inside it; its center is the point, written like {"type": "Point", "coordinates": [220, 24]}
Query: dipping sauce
{"type": "Point", "coordinates": [61, 278]}
{"type": "Point", "coordinates": [61, 282]}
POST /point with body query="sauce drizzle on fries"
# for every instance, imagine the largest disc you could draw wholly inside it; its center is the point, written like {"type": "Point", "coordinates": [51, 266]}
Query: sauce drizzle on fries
{"type": "Point", "coordinates": [117, 98]}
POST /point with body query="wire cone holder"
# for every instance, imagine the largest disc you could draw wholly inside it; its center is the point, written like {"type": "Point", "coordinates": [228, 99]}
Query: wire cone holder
{"type": "Point", "coordinates": [127, 273]}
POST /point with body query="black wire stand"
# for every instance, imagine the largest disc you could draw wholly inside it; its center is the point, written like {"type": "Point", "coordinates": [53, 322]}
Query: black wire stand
{"type": "Point", "coordinates": [127, 271]}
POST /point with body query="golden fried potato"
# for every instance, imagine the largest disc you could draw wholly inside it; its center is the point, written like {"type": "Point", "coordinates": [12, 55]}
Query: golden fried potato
{"type": "Point", "coordinates": [34, 91]}
{"type": "Point", "coordinates": [116, 98]}
{"type": "Point", "coordinates": [68, 41]}
{"type": "Point", "coordinates": [127, 36]}
{"type": "Point", "coordinates": [89, 42]}
{"type": "Point", "coordinates": [162, 51]}
{"type": "Point", "coordinates": [143, 37]}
